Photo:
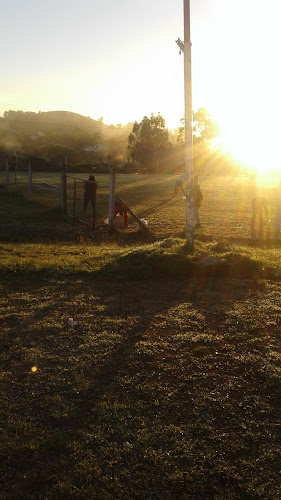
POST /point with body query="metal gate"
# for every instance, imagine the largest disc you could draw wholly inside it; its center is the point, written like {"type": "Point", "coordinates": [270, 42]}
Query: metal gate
{"type": "Point", "coordinates": [80, 200]}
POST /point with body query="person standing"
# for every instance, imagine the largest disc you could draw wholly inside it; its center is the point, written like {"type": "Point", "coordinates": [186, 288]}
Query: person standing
{"type": "Point", "coordinates": [90, 187]}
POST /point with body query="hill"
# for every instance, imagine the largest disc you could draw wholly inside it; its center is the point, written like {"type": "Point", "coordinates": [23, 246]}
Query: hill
{"type": "Point", "coordinates": [52, 134]}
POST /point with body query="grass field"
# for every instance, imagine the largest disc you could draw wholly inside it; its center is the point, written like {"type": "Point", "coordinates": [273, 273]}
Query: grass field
{"type": "Point", "coordinates": [225, 212]}
{"type": "Point", "coordinates": [168, 385]}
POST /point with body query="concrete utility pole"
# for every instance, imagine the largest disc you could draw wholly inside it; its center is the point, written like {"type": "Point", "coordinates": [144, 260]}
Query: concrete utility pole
{"type": "Point", "coordinates": [188, 128]}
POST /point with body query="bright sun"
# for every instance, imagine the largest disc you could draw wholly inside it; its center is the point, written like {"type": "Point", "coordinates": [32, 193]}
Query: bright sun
{"type": "Point", "coordinates": [242, 93]}
{"type": "Point", "coordinates": [253, 151]}
{"type": "Point", "coordinates": [254, 148]}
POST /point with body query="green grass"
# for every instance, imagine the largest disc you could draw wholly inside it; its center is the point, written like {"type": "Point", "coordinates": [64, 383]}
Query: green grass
{"type": "Point", "coordinates": [140, 261]}
{"type": "Point", "coordinates": [225, 212]}
{"type": "Point", "coordinates": [168, 386]}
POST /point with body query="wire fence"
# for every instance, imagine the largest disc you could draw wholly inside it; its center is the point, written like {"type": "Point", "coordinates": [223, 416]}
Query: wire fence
{"type": "Point", "coordinates": [76, 206]}
{"type": "Point", "coordinates": [81, 200]}
{"type": "Point", "coordinates": [12, 175]}
{"type": "Point", "coordinates": [225, 213]}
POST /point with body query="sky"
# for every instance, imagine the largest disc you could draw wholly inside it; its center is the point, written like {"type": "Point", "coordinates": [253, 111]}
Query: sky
{"type": "Point", "coordinates": [119, 60]}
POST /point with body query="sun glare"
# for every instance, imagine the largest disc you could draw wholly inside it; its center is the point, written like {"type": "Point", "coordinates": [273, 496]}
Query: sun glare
{"type": "Point", "coordinates": [250, 134]}
{"type": "Point", "coordinates": [254, 149]}
{"type": "Point", "coordinates": [243, 94]}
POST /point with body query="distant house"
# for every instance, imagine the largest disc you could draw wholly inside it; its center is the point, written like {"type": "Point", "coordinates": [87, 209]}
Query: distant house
{"type": "Point", "coordinates": [38, 136]}
{"type": "Point", "coordinates": [96, 147]}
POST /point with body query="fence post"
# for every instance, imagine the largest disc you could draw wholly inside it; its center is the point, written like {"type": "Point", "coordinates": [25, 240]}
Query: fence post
{"type": "Point", "coordinates": [16, 167]}
{"type": "Point", "coordinates": [63, 189]}
{"type": "Point", "coordinates": [112, 181]}
{"type": "Point", "coordinates": [74, 202]}
{"type": "Point", "coordinates": [7, 172]}
{"type": "Point", "coordinates": [29, 181]}
{"type": "Point", "coordinates": [94, 203]}
{"type": "Point", "coordinates": [278, 215]}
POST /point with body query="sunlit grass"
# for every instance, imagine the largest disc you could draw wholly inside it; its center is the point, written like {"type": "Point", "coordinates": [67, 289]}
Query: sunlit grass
{"type": "Point", "coordinates": [55, 258]}
{"type": "Point", "coordinates": [153, 259]}
{"type": "Point", "coordinates": [225, 212]}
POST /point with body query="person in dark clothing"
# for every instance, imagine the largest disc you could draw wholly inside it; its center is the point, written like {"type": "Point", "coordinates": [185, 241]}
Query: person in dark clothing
{"type": "Point", "coordinates": [90, 187]}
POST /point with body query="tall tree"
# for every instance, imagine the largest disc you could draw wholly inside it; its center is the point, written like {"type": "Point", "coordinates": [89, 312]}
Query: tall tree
{"type": "Point", "coordinates": [205, 131]}
{"type": "Point", "coordinates": [148, 140]}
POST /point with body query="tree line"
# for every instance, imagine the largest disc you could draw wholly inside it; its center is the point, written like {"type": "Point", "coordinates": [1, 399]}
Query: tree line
{"type": "Point", "coordinates": [146, 146]}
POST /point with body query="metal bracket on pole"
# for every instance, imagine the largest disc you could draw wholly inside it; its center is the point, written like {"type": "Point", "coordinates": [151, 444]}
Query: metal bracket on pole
{"type": "Point", "coordinates": [180, 44]}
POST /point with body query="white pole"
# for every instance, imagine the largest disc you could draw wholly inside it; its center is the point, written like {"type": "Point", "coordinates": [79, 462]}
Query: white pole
{"type": "Point", "coordinates": [188, 128]}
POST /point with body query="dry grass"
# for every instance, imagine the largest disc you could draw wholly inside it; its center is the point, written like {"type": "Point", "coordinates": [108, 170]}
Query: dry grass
{"type": "Point", "coordinates": [164, 389]}
{"type": "Point", "coordinates": [169, 384]}
{"type": "Point", "coordinates": [225, 212]}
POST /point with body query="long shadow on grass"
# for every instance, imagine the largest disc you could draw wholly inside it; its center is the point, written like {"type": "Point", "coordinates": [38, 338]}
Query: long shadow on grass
{"type": "Point", "coordinates": [148, 301]}
{"type": "Point", "coordinates": [100, 413]}
{"type": "Point", "coordinates": [156, 208]}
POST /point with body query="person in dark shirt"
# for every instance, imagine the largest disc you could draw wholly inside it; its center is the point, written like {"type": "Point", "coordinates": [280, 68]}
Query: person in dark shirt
{"type": "Point", "coordinates": [90, 187]}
